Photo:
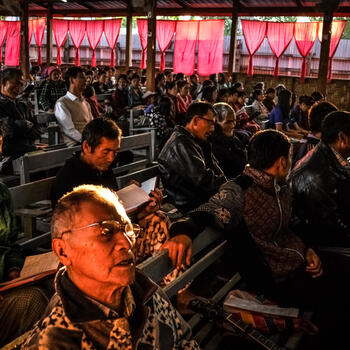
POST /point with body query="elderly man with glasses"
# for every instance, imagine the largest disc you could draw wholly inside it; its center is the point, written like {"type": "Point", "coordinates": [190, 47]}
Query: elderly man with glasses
{"type": "Point", "coordinates": [102, 301]}
{"type": "Point", "coordinates": [190, 172]}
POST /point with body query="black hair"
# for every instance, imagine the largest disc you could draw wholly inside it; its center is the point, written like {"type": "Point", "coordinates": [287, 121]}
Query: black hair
{"type": "Point", "coordinates": [89, 91]}
{"type": "Point", "coordinates": [135, 76]}
{"type": "Point", "coordinates": [232, 90]}
{"type": "Point", "coordinates": [98, 128]}
{"type": "Point", "coordinates": [164, 105]}
{"type": "Point", "coordinates": [122, 76]}
{"type": "Point", "coordinates": [170, 85]}
{"type": "Point", "coordinates": [143, 80]}
{"type": "Point", "coordinates": [207, 82]}
{"type": "Point", "coordinates": [223, 92]}
{"type": "Point", "coordinates": [179, 77]}
{"type": "Point", "coordinates": [208, 92]}
{"type": "Point", "coordinates": [241, 94]}
{"type": "Point", "coordinates": [270, 91]}
{"type": "Point", "coordinates": [256, 93]}
{"type": "Point", "coordinates": [237, 85]}
{"type": "Point", "coordinates": [180, 84]}
{"type": "Point", "coordinates": [317, 113]}
{"type": "Point", "coordinates": [159, 78]}
{"type": "Point", "coordinates": [221, 77]}
{"type": "Point", "coordinates": [279, 88]}
{"type": "Point", "coordinates": [308, 100]}
{"type": "Point", "coordinates": [198, 108]}
{"type": "Point", "coordinates": [334, 123]}
{"type": "Point", "coordinates": [10, 74]}
{"type": "Point", "coordinates": [166, 72]}
{"type": "Point", "coordinates": [317, 96]}
{"type": "Point", "coordinates": [284, 102]}
{"type": "Point", "coordinates": [2, 130]}
{"type": "Point", "coordinates": [223, 110]}
{"type": "Point", "coordinates": [213, 77]}
{"type": "Point", "coordinates": [72, 72]}
{"type": "Point", "coordinates": [89, 72]}
{"type": "Point", "coordinates": [259, 86]}
{"type": "Point", "coordinates": [265, 147]}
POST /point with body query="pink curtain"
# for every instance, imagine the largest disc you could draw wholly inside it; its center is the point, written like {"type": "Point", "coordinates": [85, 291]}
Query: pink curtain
{"type": "Point", "coordinates": [13, 42]}
{"type": "Point", "coordinates": [3, 34]}
{"type": "Point", "coordinates": [165, 33]}
{"type": "Point", "coordinates": [279, 36]}
{"type": "Point", "coordinates": [254, 33]}
{"type": "Point", "coordinates": [39, 30]}
{"type": "Point", "coordinates": [111, 30]}
{"type": "Point", "coordinates": [305, 36]}
{"type": "Point", "coordinates": [337, 32]}
{"type": "Point", "coordinates": [185, 46]}
{"type": "Point", "coordinates": [94, 30]}
{"type": "Point", "coordinates": [60, 31]}
{"type": "Point", "coordinates": [77, 31]}
{"type": "Point", "coordinates": [142, 27]}
{"type": "Point", "coordinates": [210, 46]}
{"type": "Point", "coordinates": [30, 30]}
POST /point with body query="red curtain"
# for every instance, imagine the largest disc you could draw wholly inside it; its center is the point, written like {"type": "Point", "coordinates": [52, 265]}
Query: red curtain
{"type": "Point", "coordinates": [94, 30]}
{"type": "Point", "coordinates": [77, 31]}
{"type": "Point", "coordinates": [30, 30]}
{"type": "Point", "coordinates": [111, 30]}
{"type": "Point", "coordinates": [279, 36]}
{"type": "Point", "coordinates": [3, 34]}
{"type": "Point", "coordinates": [337, 32]}
{"type": "Point", "coordinates": [305, 36]}
{"type": "Point", "coordinates": [39, 30]}
{"type": "Point", "coordinates": [254, 33]}
{"type": "Point", "coordinates": [142, 27]}
{"type": "Point", "coordinates": [60, 31]}
{"type": "Point", "coordinates": [13, 42]}
{"type": "Point", "coordinates": [165, 33]}
{"type": "Point", "coordinates": [210, 46]}
{"type": "Point", "coordinates": [185, 46]}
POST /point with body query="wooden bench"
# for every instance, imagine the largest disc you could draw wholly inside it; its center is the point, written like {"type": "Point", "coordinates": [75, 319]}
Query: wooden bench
{"type": "Point", "coordinates": [37, 161]}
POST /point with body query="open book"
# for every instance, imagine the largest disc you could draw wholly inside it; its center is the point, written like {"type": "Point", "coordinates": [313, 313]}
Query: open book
{"type": "Point", "coordinates": [35, 268]}
{"type": "Point", "coordinates": [150, 184]}
{"type": "Point", "coordinates": [132, 197]}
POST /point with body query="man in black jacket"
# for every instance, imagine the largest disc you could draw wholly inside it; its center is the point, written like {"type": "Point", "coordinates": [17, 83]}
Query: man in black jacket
{"type": "Point", "coordinates": [189, 170]}
{"type": "Point", "coordinates": [321, 186]}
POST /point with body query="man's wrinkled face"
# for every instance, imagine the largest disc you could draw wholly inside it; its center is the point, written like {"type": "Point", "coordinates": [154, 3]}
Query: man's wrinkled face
{"type": "Point", "coordinates": [104, 154]}
{"type": "Point", "coordinates": [204, 126]}
{"type": "Point", "coordinates": [96, 256]}
{"type": "Point", "coordinates": [228, 125]}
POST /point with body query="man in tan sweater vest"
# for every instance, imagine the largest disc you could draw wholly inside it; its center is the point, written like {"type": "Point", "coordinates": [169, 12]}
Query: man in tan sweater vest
{"type": "Point", "coordinates": [72, 111]}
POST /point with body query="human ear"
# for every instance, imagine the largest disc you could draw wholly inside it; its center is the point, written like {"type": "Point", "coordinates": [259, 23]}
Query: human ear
{"type": "Point", "coordinates": [86, 147]}
{"type": "Point", "coordinates": [60, 248]}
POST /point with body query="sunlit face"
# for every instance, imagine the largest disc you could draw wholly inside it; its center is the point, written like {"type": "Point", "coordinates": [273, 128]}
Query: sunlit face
{"type": "Point", "coordinates": [184, 91]}
{"type": "Point", "coordinates": [79, 83]}
{"type": "Point", "coordinates": [95, 257]}
{"type": "Point", "coordinates": [228, 125]}
{"type": "Point", "coordinates": [103, 155]}
{"type": "Point", "coordinates": [55, 75]}
{"type": "Point", "coordinates": [204, 126]}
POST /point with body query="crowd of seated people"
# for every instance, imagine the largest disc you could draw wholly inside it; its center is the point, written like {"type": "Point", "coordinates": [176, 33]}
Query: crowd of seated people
{"type": "Point", "coordinates": [217, 168]}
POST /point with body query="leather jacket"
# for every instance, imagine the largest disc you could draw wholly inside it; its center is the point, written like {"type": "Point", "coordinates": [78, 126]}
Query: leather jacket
{"type": "Point", "coordinates": [190, 172]}
{"type": "Point", "coordinates": [321, 190]}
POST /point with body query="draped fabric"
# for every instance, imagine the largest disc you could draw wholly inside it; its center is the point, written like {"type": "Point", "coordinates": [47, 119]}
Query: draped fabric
{"type": "Point", "coordinates": [210, 46]}
{"type": "Point", "coordinates": [39, 30]}
{"type": "Point", "coordinates": [305, 36]}
{"type": "Point", "coordinates": [3, 33]}
{"type": "Point", "coordinates": [165, 33]}
{"type": "Point", "coordinates": [77, 31]}
{"type": "Point", "coordinates": [142, 27]}
{"type": "Point", "coordinates": [337, 32]}
{"type": "Point", "coordinates": [60, 31]}
{"type": "Point", "coordinates": [254, 33]}
{"type": "Point", "coordinates": [13, 42]}
{"type": "Point", "coordinates": [111, 30]}
{"type": "Point", "coordinates": [94, 30]}
{"type": "Point", "coordinates": [30, 30]}
{"type": "Point", "coordinates": [185, 46]}
{"type": "Point", "coordinates": [279, 36]}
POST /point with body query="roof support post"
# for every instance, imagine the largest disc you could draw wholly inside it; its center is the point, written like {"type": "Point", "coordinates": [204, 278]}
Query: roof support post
{"type": "Point", "coordinates": [233, 40]}
{"type": "Point", "coordinates": [24, 51]}
{"type": "Point", "coordinates": [324, 55]}
{"type": "Point", "coordinates": [128, 48]}
{"type": "Point", "coordinates": [151, 43]}
{"type": "Point", "coordinates": [49, 36]}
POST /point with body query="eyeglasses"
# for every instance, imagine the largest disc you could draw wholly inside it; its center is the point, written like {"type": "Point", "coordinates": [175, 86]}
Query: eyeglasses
{"type": "Point", "coordinates": [110, 228]}
{"type": "Point", "coordinates": [210, 121]}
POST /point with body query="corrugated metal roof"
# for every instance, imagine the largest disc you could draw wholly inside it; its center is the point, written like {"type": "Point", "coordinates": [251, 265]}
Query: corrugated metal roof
{"type": "Point", "coordinates": [167, 4]}
{"type": "Point", "coordinates": [269, 3]}
{"type": "Point", "coordinates": [68, 6]}
{"type": "Point", "coordinates": [105, 5]}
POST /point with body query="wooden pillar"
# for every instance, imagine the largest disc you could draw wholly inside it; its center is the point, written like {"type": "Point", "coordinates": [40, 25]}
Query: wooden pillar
{"type": "Point", "coordinates": [151, 44]}
{"type": "Point", "coordinates": [233, 40]}
{"type": "Point", "coordinates": [324, 55]}
{"type": "Point", "coordinates": [49, 37]}
{"type": "Point", "coordinates": [24, 51]}
{"type": "Point", "coordinates": [128, 48]}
